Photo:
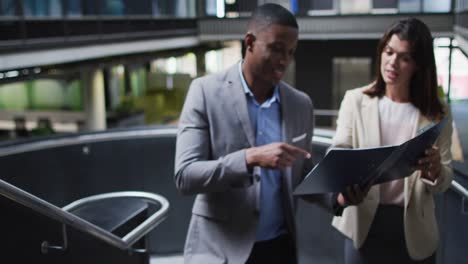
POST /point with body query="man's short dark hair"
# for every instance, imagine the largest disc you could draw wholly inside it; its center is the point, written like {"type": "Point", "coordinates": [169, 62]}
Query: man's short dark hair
{"type": "Point", "coordinates": [271, 14]}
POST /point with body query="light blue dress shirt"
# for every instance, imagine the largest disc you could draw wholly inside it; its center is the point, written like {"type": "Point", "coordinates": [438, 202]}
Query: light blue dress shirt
{"type": "Point", "coordinates": [266, 122]}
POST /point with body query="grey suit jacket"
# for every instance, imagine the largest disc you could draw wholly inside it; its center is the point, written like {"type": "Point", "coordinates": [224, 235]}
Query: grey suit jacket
{"type": "Point", "coordinates": [214, 131]}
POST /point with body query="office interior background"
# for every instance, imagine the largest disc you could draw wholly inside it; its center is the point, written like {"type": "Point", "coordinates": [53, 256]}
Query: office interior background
{"type": "Point", "coordinates": [76, 73]}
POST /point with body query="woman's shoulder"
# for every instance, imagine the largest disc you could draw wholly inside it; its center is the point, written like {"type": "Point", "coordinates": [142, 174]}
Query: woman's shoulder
{"type": "Point", "coordinates": [358, 93]}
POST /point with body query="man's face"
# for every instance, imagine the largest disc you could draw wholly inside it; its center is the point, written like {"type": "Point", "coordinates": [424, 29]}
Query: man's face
{"type": "Point", "coordinates": [272, 49]}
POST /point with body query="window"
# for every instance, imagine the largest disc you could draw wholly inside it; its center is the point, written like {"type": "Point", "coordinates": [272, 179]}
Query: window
{"type": "Point", "coordinates": [459, 76]}
{"type": "Point", "coordinates": [348, 73]}
{"type": "Point", "coordinates": [384, 6]}
{"type": "Point", "coordinates": [113, 7]}
{"type": "Point", "coordinates": [409, 6]}
{"type": "Point", "coordinates": [355, 6]}
{"type": "Point", "coordinates": [322, 7]}
{"type": "Point", "coordinates": [42, 8]}
{"type": "Point", "coordinates": [436, 6]}
{"type": "Point", "coordinates": [459, 69]}
{"type": "Point", "coordinates": [384, 3]}
{"type": "Point", "coordinates": [74, 8]}
{"type": "Point", "coordinates": [7, 8]}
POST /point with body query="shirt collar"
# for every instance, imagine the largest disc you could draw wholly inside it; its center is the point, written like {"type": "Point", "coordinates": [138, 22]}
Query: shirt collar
{"type": "Point", "coordinates": [247, 90]}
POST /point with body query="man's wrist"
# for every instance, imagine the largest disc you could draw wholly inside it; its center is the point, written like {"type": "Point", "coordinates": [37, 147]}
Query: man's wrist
{"type": "Point", "coordinates": [250, 159]}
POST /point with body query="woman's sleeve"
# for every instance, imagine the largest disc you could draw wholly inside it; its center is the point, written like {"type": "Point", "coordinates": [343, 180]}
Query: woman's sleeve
{"type": "Point", "coordinates": [344, 124]}
{"type": "Point", "coordinates": [446, 174]}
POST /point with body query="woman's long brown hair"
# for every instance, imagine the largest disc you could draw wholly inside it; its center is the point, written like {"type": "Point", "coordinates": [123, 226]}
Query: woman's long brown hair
{"type": "Point", "coordinates": [423, 86]}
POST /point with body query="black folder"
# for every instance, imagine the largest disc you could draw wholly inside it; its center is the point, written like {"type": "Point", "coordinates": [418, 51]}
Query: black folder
{"type": "Point", "coordinates": [344, 167]}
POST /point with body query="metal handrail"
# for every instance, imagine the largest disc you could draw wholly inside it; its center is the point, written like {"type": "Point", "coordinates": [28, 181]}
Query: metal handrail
{"type": "Point", "coordinates": [63, 216]}
{"type": "Point", "coordinates": [457, 187]}
{"type": "Point", "coordinates": [86, 139]}
{"type": "Point", "coordinates": [142, 229]}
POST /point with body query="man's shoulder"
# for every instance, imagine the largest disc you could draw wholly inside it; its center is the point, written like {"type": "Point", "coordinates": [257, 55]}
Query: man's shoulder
{"type": "Point", "coordinates": [213, 79]}
{"type": "Point", "coordinates": [296, 94]}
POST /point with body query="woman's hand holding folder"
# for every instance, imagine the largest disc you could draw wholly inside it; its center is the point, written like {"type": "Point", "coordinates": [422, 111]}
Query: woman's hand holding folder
{"type": "Point", "coordinates": [354, 194]}
{"type": "Point", "coordinates": [430, 164]}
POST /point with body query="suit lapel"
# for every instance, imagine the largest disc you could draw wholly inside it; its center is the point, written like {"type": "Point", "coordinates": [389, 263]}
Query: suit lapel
{"type": "Point", "coordinates": [287, 129]}
{"type": "Point", "coordinates": [370, 116]}
{"type": "Point", "coordinates": [287, 114]}
{"type": "Point", "coordinates": [239, 102]}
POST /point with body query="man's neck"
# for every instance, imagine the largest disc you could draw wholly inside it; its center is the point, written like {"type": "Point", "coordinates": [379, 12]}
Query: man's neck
{"type": "Point", "coordinates": [260, 89]}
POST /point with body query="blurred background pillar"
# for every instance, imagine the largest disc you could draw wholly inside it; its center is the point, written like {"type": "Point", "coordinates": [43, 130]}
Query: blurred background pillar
{"type": "Point", "coordinates": [94, 99]}
{"type": "Point", "coordinates": [201, 62]}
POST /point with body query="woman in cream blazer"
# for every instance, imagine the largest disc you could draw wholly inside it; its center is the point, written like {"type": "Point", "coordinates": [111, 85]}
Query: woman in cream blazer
{"type": "Point", "coordinates": [404, 228]}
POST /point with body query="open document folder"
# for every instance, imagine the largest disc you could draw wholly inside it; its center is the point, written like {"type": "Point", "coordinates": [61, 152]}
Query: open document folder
{"type": "Point", "coordinates": [344, 167]}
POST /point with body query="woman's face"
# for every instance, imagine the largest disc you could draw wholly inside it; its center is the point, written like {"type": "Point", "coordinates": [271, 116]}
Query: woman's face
{"type": "Point", "coordinates": [397, 66]}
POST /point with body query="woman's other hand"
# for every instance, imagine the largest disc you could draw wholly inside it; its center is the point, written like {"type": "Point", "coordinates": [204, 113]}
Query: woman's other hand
{"type": "Point", "coordinates": [353, 195]}
{"type": "Point", "coordinates": [430, 164]}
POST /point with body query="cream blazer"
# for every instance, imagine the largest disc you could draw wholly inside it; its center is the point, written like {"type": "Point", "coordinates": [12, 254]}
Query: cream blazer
{"type": "Point", "coordinates": [358, 127]}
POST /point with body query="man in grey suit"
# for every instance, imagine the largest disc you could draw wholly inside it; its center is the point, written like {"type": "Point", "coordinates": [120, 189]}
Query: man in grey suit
{"type": "Point", "coordinates": [243, 144]}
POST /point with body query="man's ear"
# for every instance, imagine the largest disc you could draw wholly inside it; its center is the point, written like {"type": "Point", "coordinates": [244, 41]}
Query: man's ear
{"type": "Point", "coordinates": [249, 41]}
